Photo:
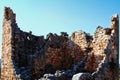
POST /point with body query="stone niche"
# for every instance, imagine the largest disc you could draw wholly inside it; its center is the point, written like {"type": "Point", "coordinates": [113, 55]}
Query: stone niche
{"type": "Point", "coordinates": [58, 57]}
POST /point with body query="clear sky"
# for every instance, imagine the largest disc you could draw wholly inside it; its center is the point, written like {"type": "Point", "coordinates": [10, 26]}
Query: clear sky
{"type": "Point", "coordinates": [44, 16]}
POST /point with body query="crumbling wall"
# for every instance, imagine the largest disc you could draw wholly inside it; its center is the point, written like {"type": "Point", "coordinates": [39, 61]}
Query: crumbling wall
{"type": "Point", "coordinates": [19, 49]}
{"type": "Point", "coordinates": [108, 67]}
{"type": "Point", "coordinates": [29, 57]}
{"type": "Point", "coordinates": [26, 48]}
{"type": "Point", "coordinates": [82, 39]}
{"type": "Point", "coordinates": [98, 44]}
{"type": "Point", "coordinates": [102, 62]}
{"type": "Point", "coordinates": [7, 32]}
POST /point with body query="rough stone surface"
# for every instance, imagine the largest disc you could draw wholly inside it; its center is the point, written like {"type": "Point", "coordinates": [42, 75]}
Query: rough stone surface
{"type": "Point", "coordinates": [82, 76]}
{"type": "Point", "coordinates": [58, 57]}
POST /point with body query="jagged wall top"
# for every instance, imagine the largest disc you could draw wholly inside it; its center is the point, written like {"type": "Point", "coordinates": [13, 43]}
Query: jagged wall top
{"type": "Point", "coordinates": [21, 50]}
{"type": "Point", "coordinates": [9, 15]}
{"type": "Point", "coordinates": [114, 22]}
{"type": "Point", "coordinates": [115, 17]}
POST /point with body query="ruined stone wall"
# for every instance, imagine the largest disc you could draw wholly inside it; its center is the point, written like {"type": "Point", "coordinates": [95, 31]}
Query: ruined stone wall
{"type": "Point", "coordinates": [82, 39]}
{"type": "Point", "coordinates": [26, 48]}
{"type": "Point", "coordinates": [103, 60]}
{"type": "Point", "coordinates": [7, 31]}
{"type": "Point", "coordinates": [29, 57]}
{"type": "Point", "coordinates": [108, 68]}
{"type": "Point", "coordinates": [18, 48]}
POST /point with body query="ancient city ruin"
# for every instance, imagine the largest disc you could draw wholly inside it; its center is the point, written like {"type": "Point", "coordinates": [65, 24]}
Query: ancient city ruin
{"type": "Point", "coordinates": [79, 56]}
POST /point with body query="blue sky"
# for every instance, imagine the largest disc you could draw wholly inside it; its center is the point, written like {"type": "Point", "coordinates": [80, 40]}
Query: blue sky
{"type": "Point", "coordinates": [44, 16]}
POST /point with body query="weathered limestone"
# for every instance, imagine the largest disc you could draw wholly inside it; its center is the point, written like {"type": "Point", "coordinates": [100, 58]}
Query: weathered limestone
{"type": "Point", "coordinates": [29, 57]}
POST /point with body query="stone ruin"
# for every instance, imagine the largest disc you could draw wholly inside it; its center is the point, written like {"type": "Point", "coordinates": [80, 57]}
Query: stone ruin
{"type": "Point", "coordinates": [59, 57]}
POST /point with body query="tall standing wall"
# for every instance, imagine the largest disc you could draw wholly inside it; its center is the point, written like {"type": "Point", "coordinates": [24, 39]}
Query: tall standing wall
{"type": "Point", "coordinates": [7, 71]}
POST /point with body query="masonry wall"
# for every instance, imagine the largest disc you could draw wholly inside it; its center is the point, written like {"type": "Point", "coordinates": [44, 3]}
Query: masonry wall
{"type": "Point", "coordinates": [29, 57]}
{"type": "Point", "coordinates": [8, 22]}
{"type": "Point", "coordinates": [26, 56]}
